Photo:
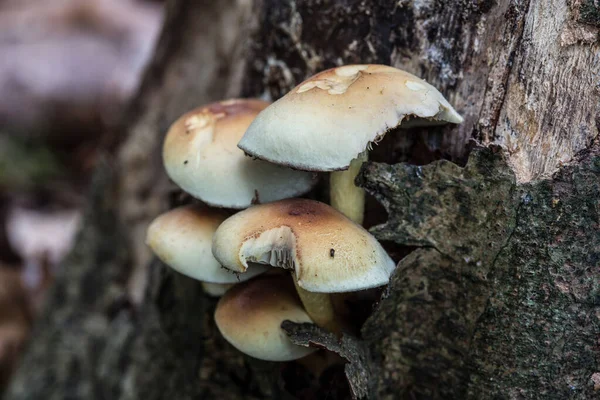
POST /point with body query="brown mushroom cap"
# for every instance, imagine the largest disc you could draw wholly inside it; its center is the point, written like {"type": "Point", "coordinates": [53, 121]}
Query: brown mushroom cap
{"type": "Point", "coordinates": [201, 156]}
{"type": "Point", "coordinates": [250, 314]}
{"type": "Point", "coordinates": [182, 239]}
{"type": "Point", "coordinates": [327, 251]}
{"type": "Point", "coordinates": [326, 121]}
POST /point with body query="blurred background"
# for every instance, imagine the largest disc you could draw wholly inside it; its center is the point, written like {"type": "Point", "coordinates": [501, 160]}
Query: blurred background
{"type": "Point", "coordinates": [67, 70]}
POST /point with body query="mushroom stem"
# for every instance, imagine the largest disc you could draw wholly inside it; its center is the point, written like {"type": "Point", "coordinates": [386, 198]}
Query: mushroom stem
{"type": "Point", "coordinates": [345, 196]}
{"type": "Point", "coordinates": [216, 289]}
{"type": "Point", "coordinates": [319, 308]}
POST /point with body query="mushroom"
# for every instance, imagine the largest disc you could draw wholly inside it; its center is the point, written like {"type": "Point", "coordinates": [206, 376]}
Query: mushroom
{"type": "Point", "coordinates": [249, 316]}
{"type": "Point", "coordinates": [182, 239]}
{"type": "Point", "coordinates": [329, 121]}
{"type": "Point", "coordinates": [200, 155]}
{"type": "Point", "coordinates": [325, 251]}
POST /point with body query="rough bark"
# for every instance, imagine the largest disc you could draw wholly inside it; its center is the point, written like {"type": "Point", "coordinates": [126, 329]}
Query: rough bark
{"type": "Point", "coordinates": [500, 298]}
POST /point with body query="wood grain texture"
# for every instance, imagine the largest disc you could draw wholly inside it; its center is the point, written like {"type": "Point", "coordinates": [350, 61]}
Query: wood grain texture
{"type": "Point", "coordinates": [551, 108]}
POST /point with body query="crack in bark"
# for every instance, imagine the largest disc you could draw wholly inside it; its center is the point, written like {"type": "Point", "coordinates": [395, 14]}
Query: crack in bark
{"type": "Point", "coordinates": [509, 68]}
{"type": "Point", "coordinates": [510, 235]}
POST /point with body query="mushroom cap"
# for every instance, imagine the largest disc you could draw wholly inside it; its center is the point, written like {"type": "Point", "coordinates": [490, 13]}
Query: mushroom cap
{"type": "Point", "coordinates": [201, 156]}
{"type": "Point", "coordinates": [326, 121]}
{"type": "Point", "coordinates": [250, 314]}
{"type": "Point", "coordinates": [328, 252]}
{"type": "Point", "coordinates": [182, 239]}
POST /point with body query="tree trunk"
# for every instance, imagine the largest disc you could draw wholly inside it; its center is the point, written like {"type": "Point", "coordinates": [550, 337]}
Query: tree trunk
{"type": "Point", "coordinates": [499, 297]}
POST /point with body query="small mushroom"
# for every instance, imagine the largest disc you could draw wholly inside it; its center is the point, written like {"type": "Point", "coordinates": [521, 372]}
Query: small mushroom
{"type": "Point", "coordinates": [249, 316]}
{"type": "Point", "coordinates": [201, 156]}
{"type": "Point", "coordinates": [328, 122]}
{"type": "Point", "coordinates": [325, 251]}
{"type": "Point", "coordinates": [182, 239]}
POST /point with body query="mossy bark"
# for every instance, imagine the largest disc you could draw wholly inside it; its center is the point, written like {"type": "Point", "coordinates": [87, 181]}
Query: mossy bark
{"type": "Point", "coordinates": [500, 297]}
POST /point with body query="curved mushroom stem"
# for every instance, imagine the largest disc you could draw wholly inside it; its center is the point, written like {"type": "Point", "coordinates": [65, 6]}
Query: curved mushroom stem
{"type": "Point", "coordinates": [319, 308]}
{"type": "Point", "coordinates": [345, 196]}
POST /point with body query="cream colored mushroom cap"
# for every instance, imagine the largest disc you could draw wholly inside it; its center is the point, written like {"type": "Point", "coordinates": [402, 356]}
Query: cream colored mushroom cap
{"type": "Point", "coordinates": [328, 252]}
{"type": "Point", "coordinates": [250, 314]}
{"type": "Point", "coordinates": [182, 239]}
{"type": "Point", "coordinates": [201, 156]}
{"type": "Point", "coordinates": [326, 121]}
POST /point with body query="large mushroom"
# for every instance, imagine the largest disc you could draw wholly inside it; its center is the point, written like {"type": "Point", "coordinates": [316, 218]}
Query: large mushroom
{"type": "Point", "coordinates": [249, 316]}
{"type": "Point", "coordinates": [329, 121]}
{"type": "Point", "coordinates": [182, 239]}
{"type": "Point", "coordinates": [325, 251]}
{"type": "Point", "coordinates": [201, 156]}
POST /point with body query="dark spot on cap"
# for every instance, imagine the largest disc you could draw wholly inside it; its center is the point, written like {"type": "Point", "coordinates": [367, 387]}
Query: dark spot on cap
{"type": "Point", "coordinates": [302, 209]}
{"type": "Point", "coordinates": [331, 253]}
{"type": "Point", "coordinates": [185, 162]}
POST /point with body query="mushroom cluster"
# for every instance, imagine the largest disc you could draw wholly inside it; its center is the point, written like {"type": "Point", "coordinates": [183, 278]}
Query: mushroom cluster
{"type": "Point", "coordinates": [327, 123]}
{"type": "Point", "coordinates": [324, 250]}
{"type": "Point", "coordinates": [201, 156]}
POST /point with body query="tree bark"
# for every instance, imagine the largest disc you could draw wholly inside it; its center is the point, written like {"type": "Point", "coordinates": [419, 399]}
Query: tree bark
{"type": "Point", "coordinates": [498, 300]}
